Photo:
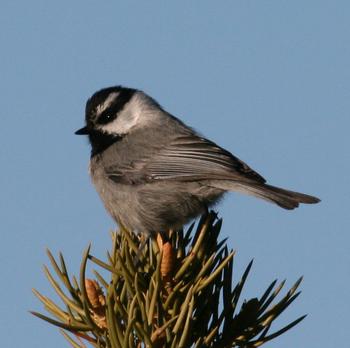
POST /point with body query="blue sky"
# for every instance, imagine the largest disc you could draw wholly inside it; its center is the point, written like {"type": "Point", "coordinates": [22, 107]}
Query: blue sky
{"type": "Point", "coordinates": [268, 80]}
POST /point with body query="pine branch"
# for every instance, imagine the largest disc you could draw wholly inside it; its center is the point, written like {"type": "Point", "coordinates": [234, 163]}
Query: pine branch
{"type": "Point", "coordinates": [176, 291]}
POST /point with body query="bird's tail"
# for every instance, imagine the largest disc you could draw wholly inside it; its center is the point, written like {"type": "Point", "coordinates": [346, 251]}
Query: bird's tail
{"type": "Point", "coordinates": [283, 198]}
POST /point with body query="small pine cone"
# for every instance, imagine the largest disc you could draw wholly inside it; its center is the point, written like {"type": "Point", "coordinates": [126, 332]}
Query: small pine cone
{"type": "Point", "coordinates": [168, 261]}
{"type": "Point", "coordinates": [97, 301]}
{"type": "Point", "coordinates": [95, 294]}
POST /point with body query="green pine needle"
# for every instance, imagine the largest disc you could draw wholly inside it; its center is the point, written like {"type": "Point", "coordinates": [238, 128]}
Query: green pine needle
{"type": "Point", "coordinates": [177, 292]}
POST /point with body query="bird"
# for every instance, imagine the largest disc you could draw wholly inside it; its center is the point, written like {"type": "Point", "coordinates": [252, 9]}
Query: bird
{"type": "Point", "coordinates": [154, 173]}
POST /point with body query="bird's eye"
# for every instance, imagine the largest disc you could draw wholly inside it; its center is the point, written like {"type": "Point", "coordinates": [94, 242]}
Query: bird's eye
{"type": "Point", "coordinates": [105, 117]}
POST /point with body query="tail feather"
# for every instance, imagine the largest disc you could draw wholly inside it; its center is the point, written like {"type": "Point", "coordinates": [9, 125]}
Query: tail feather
{"type": "Point", "coordinates": [283, 198]}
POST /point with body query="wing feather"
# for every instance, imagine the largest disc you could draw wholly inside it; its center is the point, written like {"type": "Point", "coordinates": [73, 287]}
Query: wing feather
{"type": "Point", "coordinates": [186, 158]}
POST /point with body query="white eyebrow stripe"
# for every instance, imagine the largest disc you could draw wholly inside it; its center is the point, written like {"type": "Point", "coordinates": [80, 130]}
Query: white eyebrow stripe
{"type": "Point", "coordinates": [107, 103]}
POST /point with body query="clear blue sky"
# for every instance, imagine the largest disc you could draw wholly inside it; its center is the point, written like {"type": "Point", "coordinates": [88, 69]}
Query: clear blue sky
{"type": "Point", "coordinates": [268, 80]}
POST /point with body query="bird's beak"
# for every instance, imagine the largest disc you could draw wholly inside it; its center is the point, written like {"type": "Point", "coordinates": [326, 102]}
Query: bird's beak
{"type": "Point", "coordinates": [82, 131]}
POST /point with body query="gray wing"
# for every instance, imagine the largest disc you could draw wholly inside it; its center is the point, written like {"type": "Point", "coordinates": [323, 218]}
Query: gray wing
{"type": "Point", "coordinates": [185, 158]}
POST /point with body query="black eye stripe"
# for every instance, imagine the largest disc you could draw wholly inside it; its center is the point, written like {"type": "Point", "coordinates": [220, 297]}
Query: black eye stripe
{"type": "Point", "coordinates": [119, 103]}
{"type": "Point", "coordinates": [107, 116]}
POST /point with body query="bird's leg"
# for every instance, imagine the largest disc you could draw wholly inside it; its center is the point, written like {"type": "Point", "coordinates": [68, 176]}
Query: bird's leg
{"type": "Point", "coordinates": [144, 239]}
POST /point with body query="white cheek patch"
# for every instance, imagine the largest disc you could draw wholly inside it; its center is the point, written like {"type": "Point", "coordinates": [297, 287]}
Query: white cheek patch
{"type": "Point", "coordinates": [124, 122]}
{"type": "Point", "coordinates": [137, 113]}
{"type": "Point", "coordinates": [107, 103]}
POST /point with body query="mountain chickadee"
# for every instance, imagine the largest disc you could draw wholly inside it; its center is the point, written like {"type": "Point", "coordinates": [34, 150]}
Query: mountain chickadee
{"type": "Point", "coordinates": [154, 173]}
